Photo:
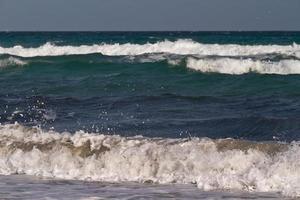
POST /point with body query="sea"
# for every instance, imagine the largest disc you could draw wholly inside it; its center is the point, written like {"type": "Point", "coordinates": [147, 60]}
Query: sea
{"type": "Point", "coordinates": [149, 115]}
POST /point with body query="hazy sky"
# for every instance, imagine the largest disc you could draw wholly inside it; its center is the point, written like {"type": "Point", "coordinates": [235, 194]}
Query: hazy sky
{"type": "Point", "coordinates": [149, 15]}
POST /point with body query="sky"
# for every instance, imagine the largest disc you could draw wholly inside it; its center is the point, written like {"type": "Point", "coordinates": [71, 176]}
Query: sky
{"type": "Point", "coordinates": [149, 15]}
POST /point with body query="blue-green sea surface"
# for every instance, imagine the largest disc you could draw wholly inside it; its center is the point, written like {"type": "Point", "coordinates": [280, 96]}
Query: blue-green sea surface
{"type": "Point", "coordinates": [219, 110]}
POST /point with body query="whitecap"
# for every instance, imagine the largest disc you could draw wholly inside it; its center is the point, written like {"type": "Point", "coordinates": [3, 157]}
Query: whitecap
{"type": "Point", "coordinates": [242, 66]}
{"type": "Point", "coordinates": [180, 47]}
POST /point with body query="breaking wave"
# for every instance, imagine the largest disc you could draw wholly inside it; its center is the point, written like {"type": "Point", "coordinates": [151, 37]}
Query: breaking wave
{"type": "Point", "coordinates": [210, 164]}
{"type": "Point", "coordinates": [242, 66]}
{"type": "Point", "coordinates": [180, 47]}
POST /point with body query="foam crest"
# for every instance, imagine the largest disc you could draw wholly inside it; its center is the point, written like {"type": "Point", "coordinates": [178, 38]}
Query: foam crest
{"type": "Point", "coordinates": [11, 61]}
{"type": "Point", "coordinates": [180, 47]}
{"type": "Point", "coordinates": [242, 66]}
{"type": "Point", "coordinates": [210, 164]}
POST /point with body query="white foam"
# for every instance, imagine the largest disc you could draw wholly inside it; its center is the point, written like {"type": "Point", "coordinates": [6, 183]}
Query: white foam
{"type": "Point", "coordinates": [199, 161]}
{"type": "Point", "coordinates": [149, 58]}
{"type": "Point", "coordinates": [153, 58]}
{"type": "Point", "coordinates": [11, 61]}
{"type": "Point", "coordinates": [180, 47]}
{"type": "Point", "coordinates": [242, 66]}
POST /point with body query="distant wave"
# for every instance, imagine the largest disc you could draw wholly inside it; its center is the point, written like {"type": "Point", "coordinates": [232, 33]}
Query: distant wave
{"type": "Point", "coordinates": [180, 47]}
{"type": "Point", "coordinates": [242, 66]}
{"type": "Point", "coordinates": [210, 164]}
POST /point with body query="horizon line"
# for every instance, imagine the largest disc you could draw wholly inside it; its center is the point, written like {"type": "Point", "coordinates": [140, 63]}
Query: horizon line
{"type": "Point", "coordinates": [153, 31]}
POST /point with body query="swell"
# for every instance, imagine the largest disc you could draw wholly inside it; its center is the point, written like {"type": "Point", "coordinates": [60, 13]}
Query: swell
{"type": "Point", "coordinates": [210, 164]}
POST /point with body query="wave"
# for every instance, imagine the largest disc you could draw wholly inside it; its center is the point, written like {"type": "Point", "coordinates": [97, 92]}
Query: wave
{"type": "Point", "coordinates": [242, 66]}
{"type": "Point", "coordinates": [11, 61]}
{"type": "Point", "coordinates": [210, 164]}
{"type": "Point", "coordinates": [225, 65]}
{"type": "Point", "coordinates": [180, 47]}
{"type": "Point", "coordinates": [204, 64]}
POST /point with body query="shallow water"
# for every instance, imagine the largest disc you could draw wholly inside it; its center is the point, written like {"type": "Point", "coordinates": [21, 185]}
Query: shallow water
{"type": "Point", "coordinates": [34, 188]}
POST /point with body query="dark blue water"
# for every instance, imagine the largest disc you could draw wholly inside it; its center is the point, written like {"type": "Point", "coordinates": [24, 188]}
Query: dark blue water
{"type": "Point", "coordinates": [132, 94]}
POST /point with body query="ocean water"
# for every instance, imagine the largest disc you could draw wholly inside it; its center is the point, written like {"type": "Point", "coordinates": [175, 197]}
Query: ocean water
{"type": "Point", "coordinates": [149, 115]}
